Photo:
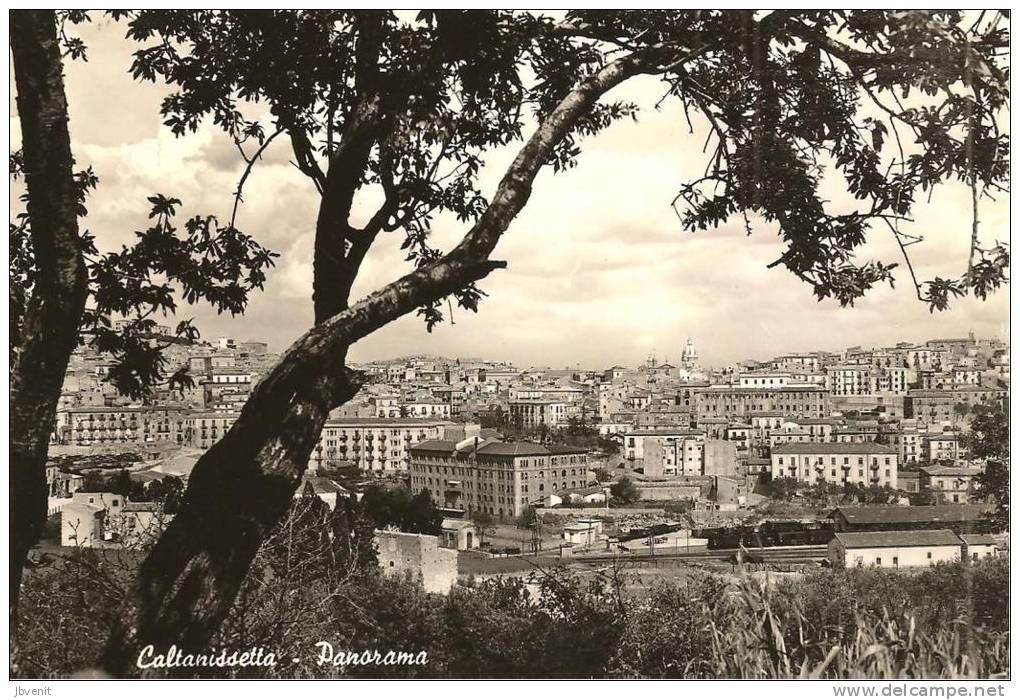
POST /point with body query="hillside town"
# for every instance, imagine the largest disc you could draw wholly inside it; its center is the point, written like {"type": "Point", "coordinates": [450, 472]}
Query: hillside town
{"type": "Point", "coordinates": [844, 457]}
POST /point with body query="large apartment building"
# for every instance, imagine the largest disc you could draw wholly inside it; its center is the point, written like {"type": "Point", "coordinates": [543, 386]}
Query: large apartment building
{"type": "Point", "coordinates": [734, 402]}
{"type": "Point", "coordinates": [203, 429]}
{"type": "Point", "coordinates": [375, 444]}
{"type": "Point", "coordinates": [636, 441]}
{"type": "Point", "coordinates": [863, 463]}
{"type": "Point", "coordinates": [499, 478]}
{"type": "Point", "coordinates": [120, 425]}
{"type": "Point", "coordinates": [531, 413]}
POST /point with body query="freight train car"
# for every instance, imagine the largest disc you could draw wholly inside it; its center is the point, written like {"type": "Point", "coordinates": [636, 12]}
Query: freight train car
{"type": "Point", "coordinates": [774, 533]}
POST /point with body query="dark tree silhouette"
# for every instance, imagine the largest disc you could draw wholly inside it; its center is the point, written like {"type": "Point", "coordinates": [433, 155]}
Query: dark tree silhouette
{"type": "Point", "coordinates": [64, 291]}
{"type": "Point", "coordinates": [988, 440]}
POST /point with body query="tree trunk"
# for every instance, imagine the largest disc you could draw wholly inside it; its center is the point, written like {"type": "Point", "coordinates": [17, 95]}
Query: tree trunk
{"type": "Point", "coordinates": [238, 491]}
{"type": "Point", "coordinates": [53, 313]}
{"type": "Point", "coordinates": [244, 484]}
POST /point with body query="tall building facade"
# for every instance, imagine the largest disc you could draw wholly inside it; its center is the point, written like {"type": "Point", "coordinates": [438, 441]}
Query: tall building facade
{"type": "Point", "coordinates": [497, 478]}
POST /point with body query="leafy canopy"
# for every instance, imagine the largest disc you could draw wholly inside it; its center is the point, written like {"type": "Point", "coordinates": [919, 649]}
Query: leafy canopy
{"type": "Point", "coordinates": [205, 262]}
{"type": "Point", "coordinates": [895, 102]}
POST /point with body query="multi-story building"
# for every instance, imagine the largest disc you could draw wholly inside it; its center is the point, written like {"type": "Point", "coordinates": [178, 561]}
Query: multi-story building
{"type": "Point", "coordinates": [739, 433]}
{"type": "Point", "coordinates": [941, 447]}
{"type": "Point", "coordinates": [203, 429]}
{"type": "Point", "coordinates": [966, 375]}
{"type": "Point", "coordinates": [858, 431]}
{"type": "Point", "coordinates": [979, 395]}
{"type": "Point", "coordinates": [819, 429]}
{"type": "Point", "coordinates": [923, 357]}
{"type": "Point", "coordinates": [635, 440]}
{"type": "Point", "coordinates": [663, 418]}
{"type": "Point", "coordinates": [377, 445]}
{"type": "Point", "coordinates": [453, 397]}
{"type": "Point", "coordinates": [850, 380]}
{"type": "Point", "coordinates": [120, 425]}
{"type": "Point", "coordinates": [531, 413]}
{"type": "Point", "coordinates": [910, 444]}
{"type": "Point", "coordinates": [763, 425]}
{"type": "Point", "coordinates": [761, 380]}
{"type": "Point", "coordinates": [950, 484]}
{"type": "Point", "coordinates": [426, 408]}
{"type": "Point", "coordinates": [892, 380]}
{"type": "Point", "coordinates": [805, 400]}
{"type": "Point", "coordinates": [837, 462]}
{"type": "Point", "coordinates": [669, 455]}
{"type": "Point", "coordinates": [931, 407]}
{"type": "Point", "coordinates": [502, 479]}
{"type": "Point", "coordinates": [789, 432]}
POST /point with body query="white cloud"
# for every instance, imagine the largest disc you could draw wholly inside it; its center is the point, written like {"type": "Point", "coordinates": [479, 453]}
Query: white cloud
{"type": "Point", "coordinates": [600, 271]}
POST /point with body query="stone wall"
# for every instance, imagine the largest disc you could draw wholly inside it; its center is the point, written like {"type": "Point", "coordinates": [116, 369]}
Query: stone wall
{"type": "Point", "coordinates": [418, 557]}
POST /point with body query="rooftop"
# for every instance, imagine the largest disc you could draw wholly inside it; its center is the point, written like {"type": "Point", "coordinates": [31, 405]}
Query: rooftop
{"type": "Point", "coordinates": [948, 513]}
{"type": "Point", "coordinates": [651, 432]}
{"type": "Point", "coordinates": [388, 422]}
{"type": "Point", "coordinates": [787, 389]}
{"type": "Point", "coordinates": [898, 538]}
{"type": "Point", "coordinates": [512, 449]}
{"type": "Point", "coordinates": [835, 448]}
{"type": "Point", "coordinates": [936, 470]}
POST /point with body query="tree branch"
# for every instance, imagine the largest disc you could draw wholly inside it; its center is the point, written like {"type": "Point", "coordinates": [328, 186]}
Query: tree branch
{"type": "Point", "coordinates": [305, 155]}
{"type": "Point", "coordinates": [249, 164]}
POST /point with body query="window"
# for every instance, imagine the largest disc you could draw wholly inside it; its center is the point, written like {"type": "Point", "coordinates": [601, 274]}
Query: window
{"type": "Point", "coordinates": [895, 561]}
{"type": "Point", "coordinates": [878, 561]}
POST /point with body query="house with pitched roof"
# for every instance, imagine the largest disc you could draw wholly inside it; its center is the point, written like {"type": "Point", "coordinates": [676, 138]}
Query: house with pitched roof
{"type": "Point", "coordinates": [895, 548]}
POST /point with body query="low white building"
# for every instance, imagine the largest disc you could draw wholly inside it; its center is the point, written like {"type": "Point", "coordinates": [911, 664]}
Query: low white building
{"type": "Point", "coordinates": [583, 531]}
{"type": "Point", "coordinates": [458, 534]}
{"type": "Point", "coordinates": [894, 549]}
{"type": "Point", "coordinates": [979, 547]}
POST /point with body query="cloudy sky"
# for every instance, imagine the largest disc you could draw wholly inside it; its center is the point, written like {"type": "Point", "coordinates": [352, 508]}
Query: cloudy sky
{"type": "Point", "coordinates": [600, 271]}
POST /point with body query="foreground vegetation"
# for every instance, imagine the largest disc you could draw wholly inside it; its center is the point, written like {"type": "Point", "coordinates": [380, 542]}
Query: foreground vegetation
{"type": "Point", "coordinates": [317, 580]}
